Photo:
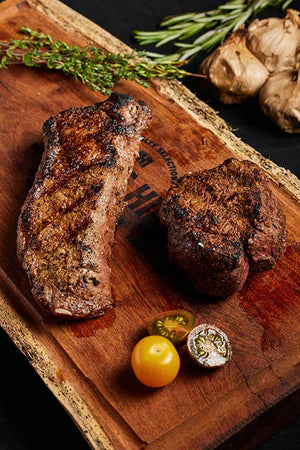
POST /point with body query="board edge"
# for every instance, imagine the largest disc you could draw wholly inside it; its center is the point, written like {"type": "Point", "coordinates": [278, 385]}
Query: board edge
{"type": "Point", "coordinates": [38, 355]}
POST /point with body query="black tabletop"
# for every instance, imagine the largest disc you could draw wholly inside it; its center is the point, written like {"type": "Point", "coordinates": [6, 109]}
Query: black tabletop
{"type": "Point", "coordinates": [30, 417]}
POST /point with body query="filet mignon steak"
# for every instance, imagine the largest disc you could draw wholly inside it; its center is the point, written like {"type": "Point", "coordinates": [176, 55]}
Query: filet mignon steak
{"type": "Point", "coordinates": [222, 223]}
{"type": "Point", "coordinates": [67, 223]}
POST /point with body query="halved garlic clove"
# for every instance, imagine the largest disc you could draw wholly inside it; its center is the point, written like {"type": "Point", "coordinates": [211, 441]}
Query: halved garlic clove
{"type": "Point", "coordinates": [234, 70]}
{"type": "Point", "coordinates": [279, 99]}
{"type": "Point", "coordinates": [275, 42]}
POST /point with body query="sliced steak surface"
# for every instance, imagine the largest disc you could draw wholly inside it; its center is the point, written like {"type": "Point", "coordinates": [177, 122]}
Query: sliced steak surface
{"type": "Point", "coordinates": [222, 223]}
{"type": "Point", "coordinates": [67, 223]}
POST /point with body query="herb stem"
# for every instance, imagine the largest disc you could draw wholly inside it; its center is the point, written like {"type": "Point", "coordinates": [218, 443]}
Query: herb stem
{"type": "Point", "coordinates": [90, 65]}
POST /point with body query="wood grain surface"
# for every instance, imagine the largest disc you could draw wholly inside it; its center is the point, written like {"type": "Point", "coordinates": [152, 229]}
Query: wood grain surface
{"type": "Point", "coordinates": [87, 364]}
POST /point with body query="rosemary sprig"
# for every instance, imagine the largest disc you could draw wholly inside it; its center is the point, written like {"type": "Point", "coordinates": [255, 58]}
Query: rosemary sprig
{"type": "Point", "coordinates": [212, 26]}
{"type": "Point", "coordinates": [90, 65]}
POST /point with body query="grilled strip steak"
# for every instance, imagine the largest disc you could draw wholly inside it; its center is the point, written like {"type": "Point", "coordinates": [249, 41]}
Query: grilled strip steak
{"type": "Point", "coordinates": [222, 223]}
{"type": "Point", "coordinates": [66, 226]}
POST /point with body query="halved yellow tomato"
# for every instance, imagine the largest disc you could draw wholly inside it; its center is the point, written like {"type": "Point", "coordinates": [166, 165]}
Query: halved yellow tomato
{"type": "Point", "coordinates": [174, 325]}
{"type": "Point", "coordinates": [209, 346]}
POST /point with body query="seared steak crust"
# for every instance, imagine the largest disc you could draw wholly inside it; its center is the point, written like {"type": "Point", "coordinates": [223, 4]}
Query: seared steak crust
{"type": "Point", "coordinates": [66, 226]}
{"type": "Point", "coordinates": [222, 223]}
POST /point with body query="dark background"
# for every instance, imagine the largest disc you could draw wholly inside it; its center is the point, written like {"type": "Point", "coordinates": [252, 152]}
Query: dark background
{"type": "Point", "coordinates": [30, 417]}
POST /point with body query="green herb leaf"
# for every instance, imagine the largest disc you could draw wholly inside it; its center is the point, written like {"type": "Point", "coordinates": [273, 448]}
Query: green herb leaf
{"type": "Point", "coordinates": [90, 65]}
{"type": "Point", "coordinates": [220, 21]}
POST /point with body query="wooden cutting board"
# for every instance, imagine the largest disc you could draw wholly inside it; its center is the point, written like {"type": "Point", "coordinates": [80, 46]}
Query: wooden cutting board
{"type": "Point", "coordinates": [87, 364]}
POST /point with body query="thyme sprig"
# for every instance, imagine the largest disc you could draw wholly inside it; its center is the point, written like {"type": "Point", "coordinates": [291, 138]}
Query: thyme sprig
{"type": "Point", "coordinates": [211, 26]}
{"type": "Point", "coordinates": [90, 65]}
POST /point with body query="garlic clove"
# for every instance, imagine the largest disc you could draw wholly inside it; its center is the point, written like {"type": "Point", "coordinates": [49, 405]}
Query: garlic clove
{"type": "Point", "coordinates": [233, 70]}
{"type": "Point", "coordinates": [279, 99]}
{"type": "Point", "coordinates": [275, 42]}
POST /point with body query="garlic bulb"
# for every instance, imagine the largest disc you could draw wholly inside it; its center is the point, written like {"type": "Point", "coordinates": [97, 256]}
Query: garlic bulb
{"type": "Point", "coordinates": [233, 70]}
{"type": "Point", "coordinates": [279, 99]}
{"type": "Point", "coordinates": [275, 42]}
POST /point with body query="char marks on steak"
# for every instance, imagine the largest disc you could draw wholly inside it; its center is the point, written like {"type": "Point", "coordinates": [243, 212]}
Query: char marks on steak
{"type": "Point", "coordinates": [67, 223]}
{"type": "Point", "coordinates": [222, 223]}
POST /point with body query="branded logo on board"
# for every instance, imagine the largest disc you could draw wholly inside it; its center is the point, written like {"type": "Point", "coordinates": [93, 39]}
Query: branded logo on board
{"type": "Point", "coordinates": [144, 200]}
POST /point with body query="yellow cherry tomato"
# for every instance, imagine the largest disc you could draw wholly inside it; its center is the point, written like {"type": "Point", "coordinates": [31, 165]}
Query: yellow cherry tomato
{"type": "Point", "coordinates": [155, 361]}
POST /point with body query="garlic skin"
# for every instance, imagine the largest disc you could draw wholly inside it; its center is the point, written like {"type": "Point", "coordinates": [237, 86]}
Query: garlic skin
{"type": "Point", "coordinates": [275, 42]}
{"type": "Point", "coordinates": [234, 70]}
{"type": "Point", "coordinates": [279, 99]}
